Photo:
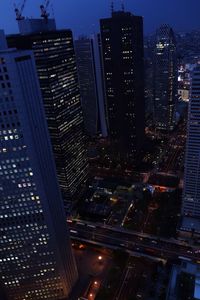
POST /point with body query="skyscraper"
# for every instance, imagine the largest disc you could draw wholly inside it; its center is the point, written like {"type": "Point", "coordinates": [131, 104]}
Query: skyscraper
{"type": "Point", "coordinates": [165, 79]}
{"type": "Point", "coordinates": [122, 48]}
{"type": "Point", "coordinates": [87, 80]}
{"type": "Point", "coordinates": [148, 67]}
{"type": "Point", "coordinates": [191, 193]}
{"type": "Point", "coordinates": [89, 63]}
{"type": "Point", "coordinates": [35, 251]}
{"type": "Point", "coordinates": [98, 61]}
{"type": "Point", "coordinates": [56, 66]}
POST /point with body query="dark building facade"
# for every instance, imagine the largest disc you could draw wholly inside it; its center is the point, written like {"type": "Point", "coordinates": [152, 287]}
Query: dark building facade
{"type": "Point", "coordinates": [56, 67]}
{"type": "Point", "coordinates": [191, 191]}
{"type": "Point", "coordinates": [123, 66]}
{"type": "Point", "coordinates": [148, 67]}
{"type": "Point", "coordinates": [165, 79]}
{"type": "Point", "coordinates": [89, 64]}
{"type": "Point", "coordinates": [87, 81]}
{"type": "Point", "coordinates": [98, 60]}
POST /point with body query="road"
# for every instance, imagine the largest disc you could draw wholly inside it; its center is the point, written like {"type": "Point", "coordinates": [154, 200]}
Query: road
{"type": "Point", "coordinates": [124, 290]}
{"type": "Point", "coordinates": [132, 241]}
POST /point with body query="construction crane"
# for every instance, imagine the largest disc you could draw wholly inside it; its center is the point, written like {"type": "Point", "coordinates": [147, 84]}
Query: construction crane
{"type": "Point", "coordinates": [19, 11]}
{"type": "Point", "coordinates": [44, 12]}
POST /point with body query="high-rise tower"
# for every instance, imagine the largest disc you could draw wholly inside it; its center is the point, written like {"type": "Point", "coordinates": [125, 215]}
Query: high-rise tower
{"type": "Point", "coordinates": [89, 63]}
{"type": "Point", "coordinates": [122, 48]}
{"type": "Point", "coordinates": [56, 66]}
{"type": "Point", "coordinates": [87, 80]}
{"type": "Point", "coordinates": [98, 58]}
{"type": "Point", "coordinates": [165, 79]}
{"type": "Point", "coordinates": [191, 192]}
{"type": "Point", "coordinates": [35, 251]}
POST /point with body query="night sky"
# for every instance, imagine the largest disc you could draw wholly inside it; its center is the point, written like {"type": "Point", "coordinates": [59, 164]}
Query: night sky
{"type": "Point", "coordinates": [82, 15]}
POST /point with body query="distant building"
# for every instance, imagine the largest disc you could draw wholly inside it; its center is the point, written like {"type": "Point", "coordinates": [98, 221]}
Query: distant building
{"type": "Point", "coordinates": [188, 44]}
{"type": "Point", "coordinates": [165, 79]}
{"type": "Point", "coordinates": [191, 191]}
{"type": "Point", "coordinates": [98, 59]}
{"type": "Point", "coordinates": [88, 57]}
{"type": "Point", "coordinates": [184, 82]}
{"type": "Point", "coordinates": [148, 67]}
{"type": "Point", "coordinates": [123, 67]}
{"type": "Point", "coordinates": [35, 250]}
{"type": "Point", "coordinates": [56, 66]}
{"type": "Point", "coordinates": [87, 80]}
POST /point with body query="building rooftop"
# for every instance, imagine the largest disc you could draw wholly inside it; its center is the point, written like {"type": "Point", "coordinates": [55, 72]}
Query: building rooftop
{"type": "Point", "coordinates": [28, 26]}
{"type": "Point", "coordinates": [190, 224]}
{"type": "Point", "coordinates": [185, 279]}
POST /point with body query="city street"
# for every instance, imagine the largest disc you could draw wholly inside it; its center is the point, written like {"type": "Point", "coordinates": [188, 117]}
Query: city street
{"type": "Point", "coordinates": [135, 242]}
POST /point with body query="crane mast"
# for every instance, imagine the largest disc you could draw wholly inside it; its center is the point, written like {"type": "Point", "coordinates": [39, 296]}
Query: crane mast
{"type": "Point", "coordinates": [19, 11]}
{"type": "Point", "coordinates": [44, 11]}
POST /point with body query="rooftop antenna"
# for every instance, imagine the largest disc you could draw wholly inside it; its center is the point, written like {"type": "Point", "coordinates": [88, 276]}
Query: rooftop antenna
{"type": "Point", "coordinates": [44, 11]}
{"type": "Point", "coordinates": [19, 11]}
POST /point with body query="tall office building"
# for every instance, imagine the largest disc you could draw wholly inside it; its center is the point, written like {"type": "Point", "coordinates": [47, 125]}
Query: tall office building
{"type": "Point", "coordinates": [35, 251]}
{"type": "Point", "coordinates": [98, 62]}
{"type": "Point", "coordinates": [148, 67]}
{"type": "Point", "coordinates": [89, 63]}
{"type": "Point", "coordinates": [191, 193]}
{"type": "Point", "coordinates": [122, 48]}
{"type": "Point", "coordinates": [87, 81]}
{"type": "Point", "coordinates": [165, 79]}
{"type": "Point", "coordinates": [56, 66]}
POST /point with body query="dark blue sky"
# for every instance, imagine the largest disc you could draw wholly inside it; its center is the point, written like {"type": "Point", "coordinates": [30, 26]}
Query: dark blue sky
{"type": "Point", "coordinates": [82, 15]}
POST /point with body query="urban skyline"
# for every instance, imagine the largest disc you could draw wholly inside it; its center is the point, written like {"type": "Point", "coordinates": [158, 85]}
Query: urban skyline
{"type": "Point", "coordinates": [72, 11]}
{"type": "Point", "coordinates": [100, 153]}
